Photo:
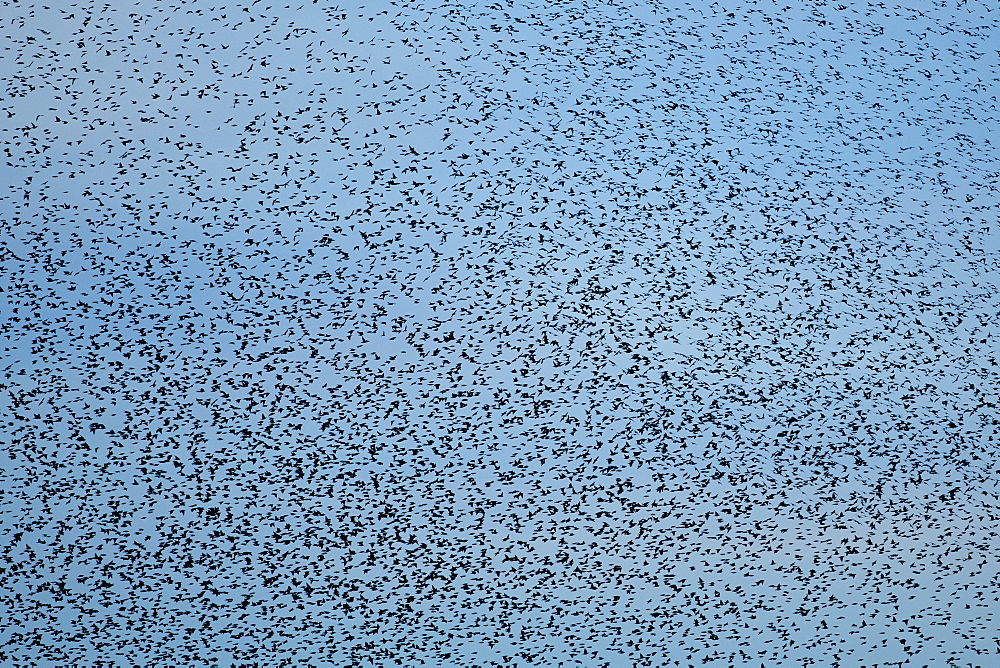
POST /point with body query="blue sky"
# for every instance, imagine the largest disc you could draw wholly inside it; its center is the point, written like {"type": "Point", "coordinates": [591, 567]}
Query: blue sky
{"type": "Point", "coordinates": [488, 335]}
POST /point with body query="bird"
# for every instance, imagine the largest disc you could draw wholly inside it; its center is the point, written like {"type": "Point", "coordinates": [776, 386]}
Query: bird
{"type": "Point", "coordinates": [498, 334]}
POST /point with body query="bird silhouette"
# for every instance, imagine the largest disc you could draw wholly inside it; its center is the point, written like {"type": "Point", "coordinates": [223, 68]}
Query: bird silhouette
{"type": "Point", "coordinates": [499, 334]}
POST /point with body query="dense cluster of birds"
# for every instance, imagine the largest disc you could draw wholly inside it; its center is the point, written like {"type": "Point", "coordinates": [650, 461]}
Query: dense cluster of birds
{"type": "Point", "coordinates": [499, 333]}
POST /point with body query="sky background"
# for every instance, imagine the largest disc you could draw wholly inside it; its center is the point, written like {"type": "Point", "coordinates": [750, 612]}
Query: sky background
{"type": "Point", "coordinates": [480, 334]}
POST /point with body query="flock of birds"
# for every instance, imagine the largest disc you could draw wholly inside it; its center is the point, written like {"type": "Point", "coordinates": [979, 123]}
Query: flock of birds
{"type": "Point", "coordinates": [499, 334]}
